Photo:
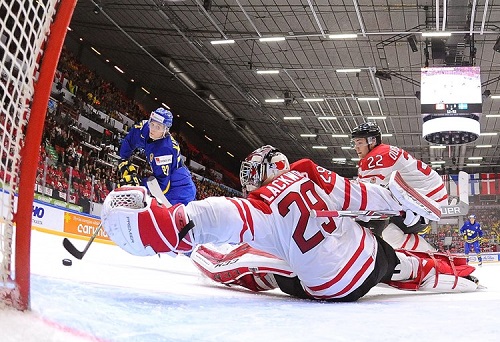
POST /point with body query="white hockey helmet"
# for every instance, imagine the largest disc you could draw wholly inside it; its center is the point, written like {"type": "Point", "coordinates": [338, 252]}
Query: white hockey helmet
{"type": "Point", "coordinates": [260, 165]}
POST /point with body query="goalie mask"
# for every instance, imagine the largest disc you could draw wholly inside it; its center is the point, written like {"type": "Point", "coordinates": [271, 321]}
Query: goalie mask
{"type": "Point", "coordinates": [262, 164]}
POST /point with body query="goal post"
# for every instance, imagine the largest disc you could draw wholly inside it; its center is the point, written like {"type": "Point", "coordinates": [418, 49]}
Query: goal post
{"type": "Point", "coordinates": [31, 37]}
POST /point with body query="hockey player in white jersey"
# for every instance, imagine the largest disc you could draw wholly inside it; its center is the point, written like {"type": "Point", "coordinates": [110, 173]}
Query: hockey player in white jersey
{"type": "Point", "coordinates": [307, 256]}
{"type": "Point", "coordinates": [377, 162]}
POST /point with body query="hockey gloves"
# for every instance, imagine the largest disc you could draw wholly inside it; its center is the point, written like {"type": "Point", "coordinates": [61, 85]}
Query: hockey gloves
{"type": "Point", "coordinates": [127, 174]}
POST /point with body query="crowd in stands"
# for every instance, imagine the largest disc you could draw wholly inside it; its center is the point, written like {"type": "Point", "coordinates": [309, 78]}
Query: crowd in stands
{"type": "Point", "coordinates": [78, 165]}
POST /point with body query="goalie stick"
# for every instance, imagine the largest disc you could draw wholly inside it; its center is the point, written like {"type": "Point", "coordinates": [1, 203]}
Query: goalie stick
{"type": "Point", "coordinates": [371, 214]}
{"type": "Point", "coordinates": [155, 190]}
{"type": "Point", "coordinates": [68, 245]}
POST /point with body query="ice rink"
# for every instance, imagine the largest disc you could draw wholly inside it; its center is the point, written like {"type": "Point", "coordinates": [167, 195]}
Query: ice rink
{"type": "Point", "coordinates": [112, 296]}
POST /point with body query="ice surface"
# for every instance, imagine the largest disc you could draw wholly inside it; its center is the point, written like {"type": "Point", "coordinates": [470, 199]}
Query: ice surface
{"type": "Point", "coordinates": [112, 296]}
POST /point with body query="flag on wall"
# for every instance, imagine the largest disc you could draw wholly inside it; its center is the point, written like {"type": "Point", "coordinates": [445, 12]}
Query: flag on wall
{"type": "Point", "coordinates": [488, 184]}
{"type": "Point", "coordinates": [474, 184]}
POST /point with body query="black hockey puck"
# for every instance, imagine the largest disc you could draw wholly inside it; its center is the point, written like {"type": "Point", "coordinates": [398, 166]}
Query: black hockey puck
{"type": "Point", "coordinates": [67, 262]}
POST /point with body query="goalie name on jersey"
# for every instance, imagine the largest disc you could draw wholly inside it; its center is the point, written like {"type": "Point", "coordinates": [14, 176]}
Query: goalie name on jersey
{"type": "Point", "coordinates": [271, 191]}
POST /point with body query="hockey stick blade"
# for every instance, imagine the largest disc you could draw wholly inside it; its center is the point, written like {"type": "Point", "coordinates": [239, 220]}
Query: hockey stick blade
{"type": "Point", "coordinates": [68, 245]}
{"type": "Point", "coordinates": [155, 190]}
{"type": "Point", "coordinates": [355, 213]}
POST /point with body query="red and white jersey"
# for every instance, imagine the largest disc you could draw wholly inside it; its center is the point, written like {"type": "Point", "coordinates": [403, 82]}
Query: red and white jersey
{"type": "Point", "coordinates": [376, 167]}
{"type": "Point", "coordinates": [331, 256]}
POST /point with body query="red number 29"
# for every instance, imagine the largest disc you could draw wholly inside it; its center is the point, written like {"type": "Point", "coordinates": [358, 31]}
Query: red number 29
{"type": "Point", "coordinates": [305, 201]}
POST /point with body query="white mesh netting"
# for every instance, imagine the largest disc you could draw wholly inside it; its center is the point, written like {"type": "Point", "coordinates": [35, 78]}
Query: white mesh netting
{"type": "Point", "coordinates": [24, 26]}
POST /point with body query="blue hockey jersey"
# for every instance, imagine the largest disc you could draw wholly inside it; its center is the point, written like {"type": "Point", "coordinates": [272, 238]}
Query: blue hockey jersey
{"type": "Point", "coordinates": [472, 232]}
{"type": "Point", "coordinates": [164, 157]}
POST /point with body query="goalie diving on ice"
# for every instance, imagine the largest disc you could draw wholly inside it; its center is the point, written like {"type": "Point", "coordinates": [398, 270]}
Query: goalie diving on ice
{"type": "Point", "coordinates": [281, 243]}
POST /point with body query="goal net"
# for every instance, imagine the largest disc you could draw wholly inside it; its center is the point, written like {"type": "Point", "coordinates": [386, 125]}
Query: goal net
{"type": "Point", "coordinates": [31, 38]}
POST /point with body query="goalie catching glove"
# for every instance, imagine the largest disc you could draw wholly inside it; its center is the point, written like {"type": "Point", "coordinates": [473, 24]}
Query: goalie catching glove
{"type": "Point", "coordinates": [141, 226]}
{"type": "Point", "coordinates": [127, 174]}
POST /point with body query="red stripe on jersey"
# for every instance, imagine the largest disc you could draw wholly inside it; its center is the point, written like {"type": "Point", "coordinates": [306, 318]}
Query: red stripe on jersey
{"type": "Point", "coordinates": [249, 218]}
{"type": "Point", "coordinates": [408, 236]}
{"type": "Point", "coordinates": [364, 196]}
{"type": "Point", "coordinates": [445, 197]}
{"type": "Point", "coordinates": [345, 269]}
{"type": "Point", "coordinates": [378, 175]}
{"type": "Point", "coordinates": [435, 191]}
{"type": "Point", "coordinates": [347, 194]}
{"type": "Point", "coordinates": [245, 227]}
{"type": "Point", "coordinates": [354, 280]}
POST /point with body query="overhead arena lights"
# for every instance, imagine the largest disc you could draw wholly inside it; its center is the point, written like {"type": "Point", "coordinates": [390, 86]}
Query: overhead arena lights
{"type": "Point", "coordinates": [269, 71]}
{"type": "Point", "coordinates": [222, 42]}
{"type": "Point", "coordinates": [343, 36]}
{"type": "Point", "coordinates": [271, 39]}
{"type": "Point", "coordinates": [348, 70]}
{"type": "Point", "coordinates": [436, 34]}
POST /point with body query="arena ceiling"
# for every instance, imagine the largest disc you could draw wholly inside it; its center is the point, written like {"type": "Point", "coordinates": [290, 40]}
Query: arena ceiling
{"type": "Point", "coordinates": [165, 46]}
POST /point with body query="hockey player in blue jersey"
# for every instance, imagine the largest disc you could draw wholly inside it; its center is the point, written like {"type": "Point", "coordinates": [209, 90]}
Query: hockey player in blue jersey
{"type": "Point", "coordinates": [472, 233]}
{"type": "Point", "coordinates": [163, 154]}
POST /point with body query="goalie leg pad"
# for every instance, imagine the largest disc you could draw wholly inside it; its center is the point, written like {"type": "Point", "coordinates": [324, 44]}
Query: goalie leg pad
{"type": "Point", "coordinates": [244, 266]}
{"type": "Point", "coordinates": [395, 237]}
{"type": "Point", "coordinates": [141, 226]}
{"type": "Point", "coordinates": [435, 272]}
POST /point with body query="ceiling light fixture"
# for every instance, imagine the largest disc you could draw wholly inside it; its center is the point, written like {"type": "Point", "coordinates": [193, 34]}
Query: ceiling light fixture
{"type": "Point", "coordinates": [274, 100]}
{"type": "Point", "coordinates": [487, 133]}
{"type": "Point", "coordinates": [263, 72]}
{"type": "Point", "coordinates": [340, 136]}
{"type": "Point", "coordinates": [377, 117]}
{"type": "Point", "coordinates": [165, 105]}
{"type": "Point", "coordinates": [327, 118]}
{"type": "Point", "coordinates": [343, 36]}
{"type": "Point", "coordinates": [313, 99]}
{"type": "Point", "coordinates": [473, 164]}
{"type": "Point", "coordinates": [484, 146]}
{"type": "Point", "coordinates": [292, 118]}
{"type": "Point", "coordinates": [348, 70]}
{"type": "Point", "coordinates": [438, 146]}
{"type": "Point", "coordinates": [271, 39]}
{"type": "Point", "coordinates": [189, 124]}
{"type": "Point", "coordinates": [475, 158]}
{"type": "Point", "coordinates": [222, 41]}
{"type": "Point", "coordinates": [493, 115]}
{"type": "Point", "coordinates": [119, 70]}
{"type": "Point", "coordinates": [316, 147]}
{"type": "Point", "coordinates": [308, 135]}
{"type": "Point", "coordinates": [436, 34]}
{"type": "Point", "coordinates": [93, 49]}
{"type": "Point", "coordinates": [368, 99]}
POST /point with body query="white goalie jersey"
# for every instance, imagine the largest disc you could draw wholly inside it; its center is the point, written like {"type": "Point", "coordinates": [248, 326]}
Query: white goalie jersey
{"type": "Point", "coordinates": [331, 256]}
{"type": "Point", "coordinates": [376, 167]}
